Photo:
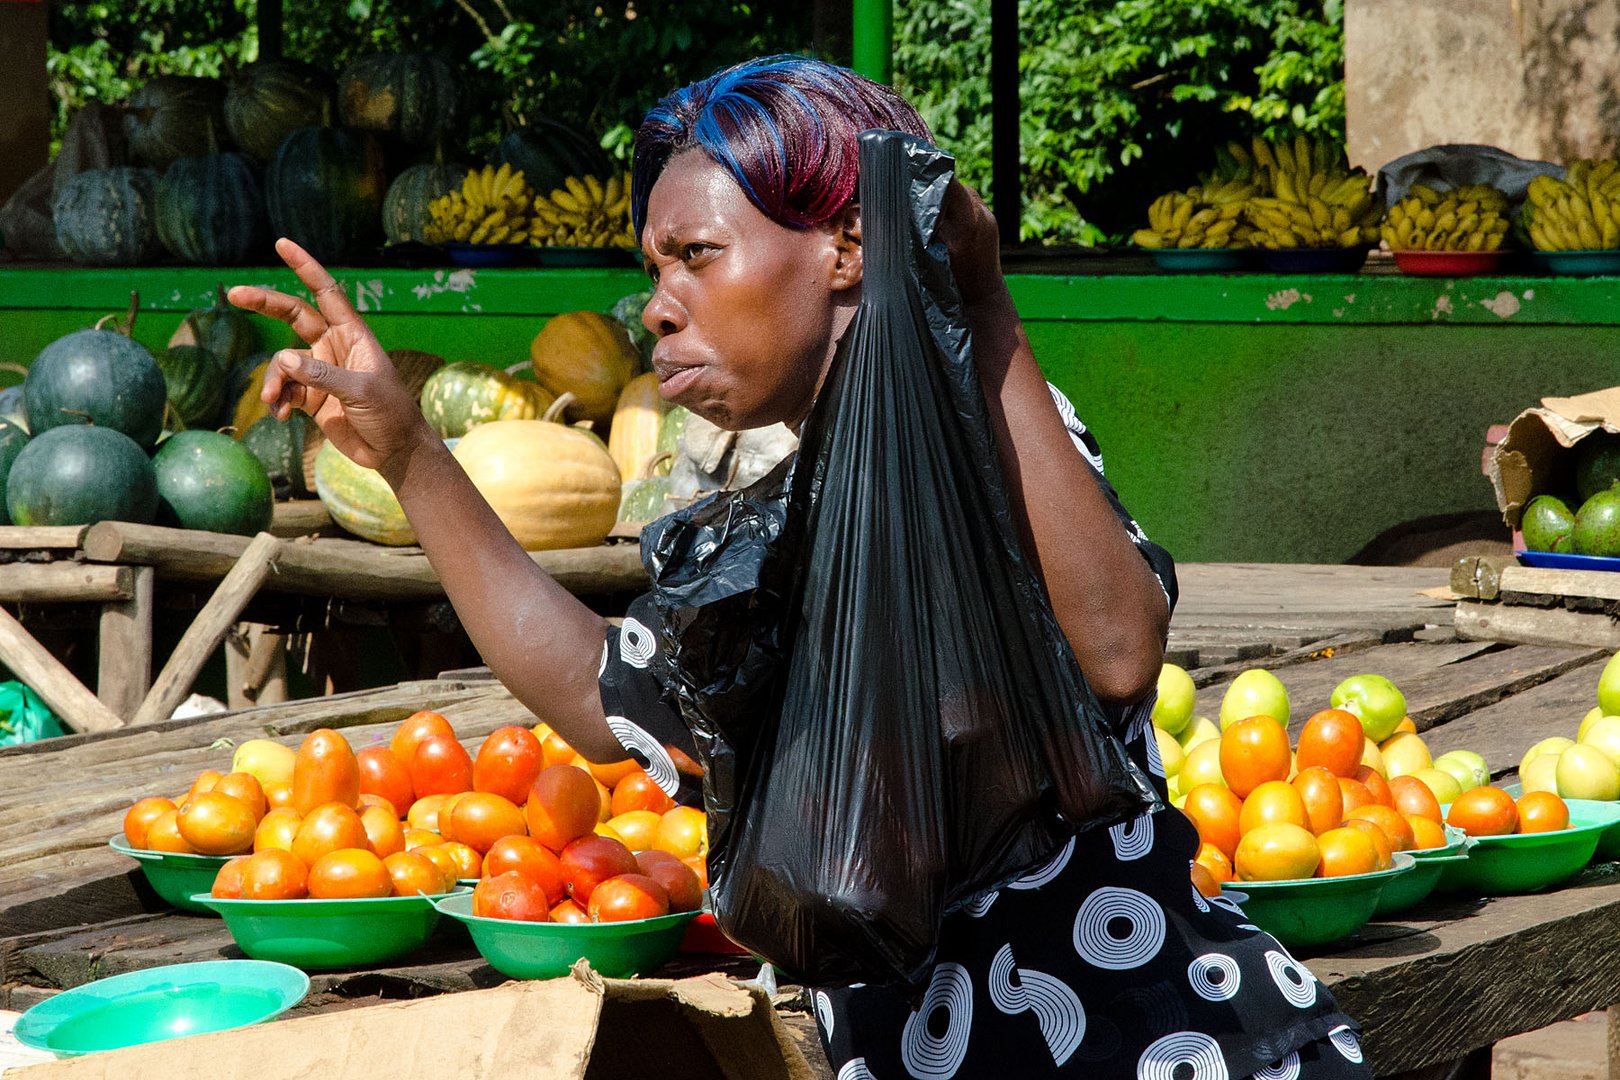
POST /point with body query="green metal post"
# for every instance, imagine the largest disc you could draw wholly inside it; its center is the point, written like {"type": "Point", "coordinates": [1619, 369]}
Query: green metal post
{"type": "Point", "coordinates": [873, 39]}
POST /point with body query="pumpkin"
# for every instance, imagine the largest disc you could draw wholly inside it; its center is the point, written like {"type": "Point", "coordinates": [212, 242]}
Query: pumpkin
{"type": "Point", "coordinates": [270, 99]}
{"type": "Point", "coordinates": [324, 189]}
{"type": "Point", "coordinates": [108, 217]}
{"type": "Point", "coordinates": [98, 377]}
{"type": "Point", "coordinates": [414, 367]}
{"type": "Point", "coordinates": [279, 446]}
{"type": "Point", "coordinates": [249, 409]}
{"type": "Point", "coordinates": [553, 486]}
{"type": "Point", "coordinates": [12, 440]}
{"type": "Point", "coordinates": [415, 96]}
{"type": "Point", "coordinates": [210, 211]}
{"type": "Point", "coordinates": [209, 481]}
{"type": "Point", "coordinates": [549, 152]}
{"type": "Point", "coordinates": [587, 354]}
{"type": "Point", "coordinates": [637, 420]}
{"type": "Point", "coordinates": [81, 475]}
{"type": "Point", "coordinates": [460, 396]}
{"type": "Point", "coordinates": [405, 208]}
{"type": "Point", "coordinates": [224, 330]}
{"type": "Point", "coordinates": [359, 499]}
{"type": "Point", "coordinates": [642, 499]}
{"type": "Point", "coordinates": [174, 116]}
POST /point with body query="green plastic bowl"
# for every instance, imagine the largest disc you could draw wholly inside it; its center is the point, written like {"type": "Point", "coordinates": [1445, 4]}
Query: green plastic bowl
{"type": "Point", "coordinates": [530, 950]}
{"type": "Point", "coordinates": [1204, 260]}
{"type": "Point", "coordinates": [1530, 862]}
{"type": "Point", "coordinates": [1457, 843]}
{"type": "Point", "coordinates": [1407, 890]}
{"type": "Point", "coordinates": [176, 878]}
{"type": "Point", "coordinates": [160, 1003]}
{"type": "Point", "coordinates": [1608, 845]}
{"type": "Point", "coordinates": [1316, 911]}
{"type": "Point", "coordinates": [322, 934]}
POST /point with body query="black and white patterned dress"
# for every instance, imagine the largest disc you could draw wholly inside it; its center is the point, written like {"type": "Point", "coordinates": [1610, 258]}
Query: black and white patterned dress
{"type": "Point", "coordinates": [1106, 962]}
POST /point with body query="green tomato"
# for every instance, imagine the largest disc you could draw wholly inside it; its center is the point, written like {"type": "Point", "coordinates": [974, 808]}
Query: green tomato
{"type": "Point", "coordinates": [1592, 716]}
{"type": "Point", "coordinates": [1443, 784]}
{"type": "Point", "coordinates": [1405, 753]}
{"type": "Point", "coordinates": [1177, 695]}
{"type": "Point", "coordinates": [1608, 692]}
{"type": "Point", "coordinates": [1604, 734]}
{"type": "Point", "coordinates": [1585, 772]}
{"type": "Point", "coordinates": [1468, 767]}
{"type": "Point", "coordinates": [1551, 746]}
{"type": "Point", "coordinates": [1201, 729]}
{"type": "Point", "coordinates": [1540, 773]}
{"type": "Point", "coordinates": [1373, 700]}
{"type": "Point", "coordinates": [1255, 692]}
{"type": "Point", "coordinates": [1171, 755]}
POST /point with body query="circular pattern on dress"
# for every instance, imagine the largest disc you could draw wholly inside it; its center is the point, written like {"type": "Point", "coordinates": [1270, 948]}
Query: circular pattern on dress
{"type": "Point", "coordinates": [1215, 977]}
{"type": "Point", "coordinates": [824, 1013]}
{"type": "Point", "coordinates": [1295, 981]}
{"type": "Point", "coordinates": [1345, 1042]}
{"type": "Point", "coordinates": [602, 667]}
{"type": "Point", "coordinates": [1057, 1008]}
{"type": "Point", "coordinates": [855, 1069]}
{"type": "Point", "coordinates": [978, 905]}
{"type": "Point", "coordinates": [639, 741]}
{"type": "Point", "coordinates": [1165, 1056]}
{"type": "Point", "coordinates": [1198, 900]}
{"type": "Point", "coordinates": [637, 646]}
{"type": "Point", "coordinates": [1286, 1069]}
{"type": "Point", "coordinates": [1042, 874]}
{"type": "Point", "coordinates": [925, 1055]}
{"type": "Point", "coordinates": [1095, 936]}
{"type": "Point", "coordinates": [1132, 839]}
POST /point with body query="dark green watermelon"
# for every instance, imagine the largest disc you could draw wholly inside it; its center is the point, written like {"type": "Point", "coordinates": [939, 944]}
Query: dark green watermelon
{"type": "Point", "coordinates": [195, 381]}
{"type": "Point", "coordinates": [12, 409]}
{"type": "Point", "coordinates": [97, 377]}
{"type": "Point", "coordinates": [207, 480]}
{"type": "Point", "coordinates": [279, 446]}
{"type": "Point", "coordinates": [549, 152]}
{"type": "Point", "coordinates": [210, 211]}
{"type": "Point", "coordinates": [80, 475]}
{"type": "Point", "coordinates": [324, 189]}
{"type": "Point", "coordinates": [12, 440]}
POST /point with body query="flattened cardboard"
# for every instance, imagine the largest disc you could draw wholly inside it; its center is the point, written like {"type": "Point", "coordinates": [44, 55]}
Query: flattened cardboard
{"type": "Point", "coordinates": [579, 1027]}
{"type": "Point", "coordinates": [1534, 457]}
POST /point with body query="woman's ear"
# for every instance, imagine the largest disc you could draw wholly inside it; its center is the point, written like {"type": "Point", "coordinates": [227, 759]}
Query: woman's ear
{"type": "Point", "coordinates": [847, 265]}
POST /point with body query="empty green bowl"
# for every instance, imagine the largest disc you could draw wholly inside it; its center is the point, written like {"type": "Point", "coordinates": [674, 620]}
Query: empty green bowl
{"type": "Point", "coordinates": [1315, 911]}
{"type": "Point", "coordinates": [160, 1003]}
{"type": "Point", "coordinates": [176, 878]}
{"type": "Point", "coordinates": [533, 950]}
{"type": "Point", "coordinates": [1530, 862]}
{"type": "Point", "coordinates": [322, 934]}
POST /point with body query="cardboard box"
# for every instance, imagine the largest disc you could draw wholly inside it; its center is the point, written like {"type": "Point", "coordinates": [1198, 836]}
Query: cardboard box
{"type": "Point", "coordinates": [579, 1026]}
{"type": "Point", "coordinates": [1534, 458]}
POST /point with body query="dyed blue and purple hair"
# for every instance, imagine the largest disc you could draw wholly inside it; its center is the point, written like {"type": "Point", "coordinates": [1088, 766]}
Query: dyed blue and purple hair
{"type": "Point", "coordinates": [785, 128]}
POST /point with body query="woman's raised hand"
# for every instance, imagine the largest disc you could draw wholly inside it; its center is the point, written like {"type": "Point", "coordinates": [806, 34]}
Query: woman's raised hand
{"type": "Point", "coordinates": [968, 230]}
{"type": "Point", "coordinates": [343, 379]}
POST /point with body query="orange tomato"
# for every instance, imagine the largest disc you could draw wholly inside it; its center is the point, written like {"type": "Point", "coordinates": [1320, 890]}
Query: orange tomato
{"type": "Point", "coordinates": [415, 838]}
{"type": "Point", "coordinates": [1215, 861]}
{"type": "Point", "coordinates": [683, 832]}
{"type": "Point", "coordinates": [637, 828]}
{"type": "Point", "coordinates": [508, 761]}
{"type": "Point", "coordinates": [228, 882]}
{"type": "Point", "coordinates": [413, 729]}
{"type": "Point", "coordinates": [1376, 785]}
{"type": "Point", "coordinates": [1484, 811]}
{"type": "Point", "coordinates": [385, 776]}
{"type": "Point", "coordinates": [325, 771]}
{"type": "Point", "coordinates": [554, 749]}
{"type": "Point", "coordinates": [349, 874]}
{"type": "Point", "coordinates": [441, 766]}
{"type": "Point", "coordinates": [328, 828]}
{"type": "Point", "coordinates": [424, 812]}
{"type": "Point", "coordinates": [482, 817]}
{"type": "Point", "coordinates": [217, 824]}
{"type": "Point", "coordinates": [1214, 810]}
{"type": "Point", "coordinates": [468, 861]}
{"type": "Point", "coordinates": [527, 856]}
{"type": "Point", "coordinates": [139, 818]}
{"type": "Point", "coordinates": [1405, 724]}
{"type": "Point", "coordinates": [1276, 851]}
{"type": "Point", "coordinates": [205, 782]}
{"type": "Point", "coordinates": [607, 774]}
{"type": "Point", "coordinates": [447, 815]}
{"type": "Point", "coordinates": [277, 829]}
{"type": "Point", "coordinates": [1542, 811]}
{"type": "Point", "coordinates": [511, 896]}
{"type": "Point", "coordinates": [1379, 838]}
{"type": "Point", "coordinates": [1354, 794]}
{"type": "Point", "coordinates": [1414, 798]}
{"type": "Point", "coordinates": [440, 856]}
{"type": "Point", "coordinates": [1253, 752]}
{"type": "Point", "coordinates": [1204, 881]}
{"type": "Point", "coordinates": [638, 791]}
{"type": "Point", "coordinates": [1346, 851]}
{"type": "Point", "coordinates": [277, 795]}
{"type": "Point", "coordinates": [1333, 739]}
{"type": "Point", "coordinates": [569, 912]}
{"type": "Point", "coordinates": [274, 874]}
{"type": "Point", "coordinates": [562, 806]}
{"type": "Point", "coordinates": [383, 832]}
{"type": "Point", "coordinates": [413, 875]}
{"type": "Point", "coordinates": [1391, 821]}
{"type": "Point", "coordinates": [626, 897]}
{"type": "Point", "coordinates": [246, 787]}
{"type": "Point", "coordinates": [591, 860]}
{"type": "Point", "coordinates": [164, 835]}
{"type": "Point", "coordinates": [1273, 801]}
{"type": "Point", "coordinates": [1427, 833]}
{"type": "Point", "coordinates": [683, 762]}
{"type": "Point", "coordinates": [682, 885]}
{"type": "Point", "coordinates": [700, 867]}
{"type": "Point", "coordinates": [1323, 798]}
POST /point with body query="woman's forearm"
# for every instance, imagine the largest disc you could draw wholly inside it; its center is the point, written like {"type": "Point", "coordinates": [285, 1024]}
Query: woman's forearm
{"type": "Point", "coordinates": [1105, 596]}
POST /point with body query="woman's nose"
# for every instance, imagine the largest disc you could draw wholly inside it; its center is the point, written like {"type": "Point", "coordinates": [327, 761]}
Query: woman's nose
{"type": "Point", "coordinates": [662, 315]}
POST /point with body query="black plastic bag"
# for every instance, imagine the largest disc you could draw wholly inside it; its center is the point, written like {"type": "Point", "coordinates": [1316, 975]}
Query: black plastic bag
{"type": "Point", "coordinates": [889, 716]}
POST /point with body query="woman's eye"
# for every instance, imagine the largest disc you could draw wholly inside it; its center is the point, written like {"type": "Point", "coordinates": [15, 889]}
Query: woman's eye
{"type": "Point", "coordinates": [692, 251]}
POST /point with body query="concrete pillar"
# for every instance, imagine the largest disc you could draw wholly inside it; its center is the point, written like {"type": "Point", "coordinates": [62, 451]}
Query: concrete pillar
{"type": "Point", "coordinates": [1538, 78]}
{"type": "Point", "coordinates": [25, 118]}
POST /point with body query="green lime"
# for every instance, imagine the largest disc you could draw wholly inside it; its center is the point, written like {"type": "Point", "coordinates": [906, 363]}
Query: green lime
{"type": "Point", "coordinates": [1597, 463]}
{"type": "Point", "coordinates": [1546, 521]}
{"type": "Point", "coordinates": [1597, 524]}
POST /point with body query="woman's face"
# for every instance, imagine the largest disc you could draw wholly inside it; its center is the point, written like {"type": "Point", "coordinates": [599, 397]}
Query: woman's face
{"type": "Point", "coordinates": [747, 312]}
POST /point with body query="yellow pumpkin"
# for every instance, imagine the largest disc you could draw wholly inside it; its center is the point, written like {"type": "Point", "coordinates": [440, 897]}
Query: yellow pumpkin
{"type": "Point", "coordinates": [587, 354]}
{"type": "Point", "coordinates": [552, 485]}
{"type": "Point", "coordinates": [359, 499]}
{"type": "Point", "coordinates": [249, 409]}
{"type": "Point", "coordinates": [633, 438]}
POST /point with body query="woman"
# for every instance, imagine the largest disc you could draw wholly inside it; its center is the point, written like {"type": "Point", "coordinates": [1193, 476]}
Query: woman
{"type": "Point", "coordinates": [1104, 961]}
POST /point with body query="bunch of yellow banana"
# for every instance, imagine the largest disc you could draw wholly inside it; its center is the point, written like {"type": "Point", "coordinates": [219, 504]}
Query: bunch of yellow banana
{"type": "Point", "coordinates": [1581, 212]}
{"type": "Point", "coordinates": [1315, 200]}
{"type": "Point", "coordinates": [1470, 218]}
{"type": "Point", "coordinates": [492, 206]}
{"type": "Point", "coordinates": [1203, 216]}
{"type": "Point", "coordinates": [586, 211]}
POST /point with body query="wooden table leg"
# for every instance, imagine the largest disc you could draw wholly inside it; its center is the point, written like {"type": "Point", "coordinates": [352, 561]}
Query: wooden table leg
{"type": "Point", "coordinates": [125, 656]}
{"type": "Point", "coordinates": [256, 667]}
{"type": "Point", "coordinates": [58, 687]}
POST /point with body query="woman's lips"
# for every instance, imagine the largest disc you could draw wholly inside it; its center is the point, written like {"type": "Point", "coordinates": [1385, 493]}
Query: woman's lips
{"type": "Point", "coordinates": [676, 380]}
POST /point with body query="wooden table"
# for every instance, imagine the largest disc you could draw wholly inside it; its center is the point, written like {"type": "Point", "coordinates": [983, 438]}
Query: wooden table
{"type": "Point", "coordinates": [1442, 981]}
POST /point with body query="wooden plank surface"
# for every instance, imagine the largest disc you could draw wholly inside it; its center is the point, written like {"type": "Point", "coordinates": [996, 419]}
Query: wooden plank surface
{"type": "Point", "coordinates": [1504, 730]}
{"type": "Point", "coordinates": [1534, 625]}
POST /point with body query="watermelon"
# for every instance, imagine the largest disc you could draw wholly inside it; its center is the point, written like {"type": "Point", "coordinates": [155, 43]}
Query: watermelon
{"type": "Point", "coordinates": [209, 481]}
{"type": "Point", "coordinates": [98, 377]}
{"type": "Point", "coordinates": [12, 440]}
{"type": "Point", "coordinates": [79, 475]}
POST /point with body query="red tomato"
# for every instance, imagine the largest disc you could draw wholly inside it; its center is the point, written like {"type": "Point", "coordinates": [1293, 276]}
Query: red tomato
{"type": "Point", "coordinates": [1484, 811]}
{"type": "Point", "coordinates": [1542, 811]}
{"type": "Point", "coordinates": [246, 787]}
{"type": "Point", "coordinates": [1323, 798]}
{"type": "Point", "coordinates": [1254, 752]}
{"type": "Point", "coordinates": [511, 896]}
{"type": "Point", "coordinates": [591, 860]}
{"type": "Point", "coordinates": [384, 775]}
{"type": "Point", "coordinates": [625, 897]}
{"type": "Point", "coordinates": [414, 875]}
{"type": "Point", "coordinates": [507, 763]}
{"type": "Point", "coordinates": [1333, 739]}
{"type": "Point", "coordinates": [349, 874]}
{"type": "Point", "coordinates": [217, 824]}
{"type": "Point", "coordinates": [275, 874]}
{"type": "Point", "coordinates": [384, 834]}
{"type": "Point", "coordinates": [328, 828]}
{"type": "Point", "coordinates": [413, 729]}
{"type": "Point", "coordinates": [325, 771]}
{"type": "Point", "coordinates": [1213, 810]}
{"type": "Point", "coordinates": [554, 749]}
{"type": "Point", "coordinates": [228, 882]}
{"type": "Point", "coordinates": [569, 912]}
{"type": "Point", "coordinates": [441, 766]}
{"type": "Point", "coordinates": [526, 856]}
{"type": "Point", "coordinates": [1414, 798]}
{"type": "Point", "coordinates": [1376, 785]}
{"type": "Point", "coordinates": [563, 805]}
{"type": "Point", "coordinates": [638, 791]}
{"type": "Point", "coordinates": [679, 881]}
{"type": "Point", "coordinates": [164, 834]}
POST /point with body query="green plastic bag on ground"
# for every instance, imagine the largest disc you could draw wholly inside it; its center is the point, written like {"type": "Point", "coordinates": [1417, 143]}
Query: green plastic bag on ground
{"type": "Point", "coordinates": [23, 717]}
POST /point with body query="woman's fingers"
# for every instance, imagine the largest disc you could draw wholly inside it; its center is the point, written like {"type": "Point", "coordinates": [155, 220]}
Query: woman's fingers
{"type": "Point", "coordinates": [286, 389]}
{"type": "Point", "coordinates": [322, 285]}
{"type": "Point", "coordinates": [305, 321]}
